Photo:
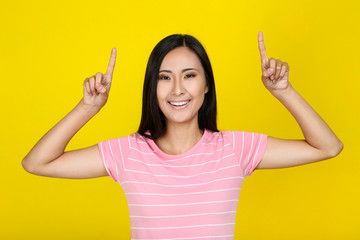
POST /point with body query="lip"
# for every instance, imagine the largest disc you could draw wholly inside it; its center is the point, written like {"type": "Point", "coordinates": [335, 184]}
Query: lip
{"type": "Point", "coordinates": [179, 100]}
{"type": "Point", "coordinates": [180, 107]}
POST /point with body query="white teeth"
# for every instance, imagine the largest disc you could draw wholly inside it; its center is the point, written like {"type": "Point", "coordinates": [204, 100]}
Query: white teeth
{"type": "Point", "coordinates": [179, 103]}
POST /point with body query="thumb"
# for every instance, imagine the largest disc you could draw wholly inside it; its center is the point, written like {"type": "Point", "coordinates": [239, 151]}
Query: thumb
{"type": "Point", "coordinates": [100, 88]}
{"type": "Point", "coordinates": [268, 72]}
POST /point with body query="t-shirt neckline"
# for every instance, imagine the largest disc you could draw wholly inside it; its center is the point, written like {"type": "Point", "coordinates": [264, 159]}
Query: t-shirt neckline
{"type": "Point", "coordinates": [166, 156]}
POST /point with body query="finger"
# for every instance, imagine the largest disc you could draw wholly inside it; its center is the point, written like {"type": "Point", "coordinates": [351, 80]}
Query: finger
{"type": "Point", "coordinates": [111, 65]}
{"type": "Point", "coordinates": [267, 73]}
{"type": "Point", "coordinates": [278, 68]}
{"type": "Point", "coordinates": [272, 65]}
{"type": "Point", "coordinates": [92, 85]}
{"type": "Point", "coordinates": [283, 70]}
{"type": "Point", "coordinates": [262, 49]}
{"type": "Point", "coordinates": [100, 88]}
{"type": "Point", "coordinates": [87, 86]}
{"type": "Point", "coordinates": [98, 79]}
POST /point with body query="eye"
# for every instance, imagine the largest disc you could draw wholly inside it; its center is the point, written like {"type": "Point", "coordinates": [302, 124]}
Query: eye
{"type": "Point", "coordinates": [189, 75]}
{"type": "Point", "coordinates": [164, 77]}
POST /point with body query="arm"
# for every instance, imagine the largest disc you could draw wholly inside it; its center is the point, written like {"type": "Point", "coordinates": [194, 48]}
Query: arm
{"type": "Point", "coordinates": [47, 157]}
{"type": "Point", "coordinates": [320, 141]}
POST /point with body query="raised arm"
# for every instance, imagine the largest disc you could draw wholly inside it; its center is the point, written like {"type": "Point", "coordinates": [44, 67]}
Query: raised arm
{"type": "Point", "coordinates": [47, 157]}
{"type": "Point", "coordinates": [320, 141]}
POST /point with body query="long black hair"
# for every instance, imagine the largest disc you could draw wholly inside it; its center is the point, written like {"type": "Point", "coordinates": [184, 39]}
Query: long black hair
{"type": "Point", "coordinates": [152, 119]}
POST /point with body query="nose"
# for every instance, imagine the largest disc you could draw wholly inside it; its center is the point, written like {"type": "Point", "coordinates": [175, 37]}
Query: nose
{"type": "Point", "coordinates": [178, 87]}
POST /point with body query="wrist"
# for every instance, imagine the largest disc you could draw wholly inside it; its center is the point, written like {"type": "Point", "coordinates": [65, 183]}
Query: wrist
{"type": "Point", "coordinates": [281, 93]}
{"type": "Point", "coordinates": [86, 108]}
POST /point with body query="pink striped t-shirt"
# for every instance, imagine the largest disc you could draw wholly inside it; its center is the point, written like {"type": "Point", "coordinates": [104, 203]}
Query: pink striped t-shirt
{"type": "Point", "coordinates": [193, 195]}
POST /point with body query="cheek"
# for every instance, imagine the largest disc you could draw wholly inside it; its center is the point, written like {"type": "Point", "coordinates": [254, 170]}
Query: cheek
{"type": "Point", "coordinates": [161, 93]}
{"type": "Point", "coordinates": [197, 90]}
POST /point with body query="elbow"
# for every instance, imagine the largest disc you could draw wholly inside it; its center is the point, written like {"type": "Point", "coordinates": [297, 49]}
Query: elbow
{"type": "Point", "coordinates": [28, 166]}
{"type": "Point", "coordinates": [336, 150]}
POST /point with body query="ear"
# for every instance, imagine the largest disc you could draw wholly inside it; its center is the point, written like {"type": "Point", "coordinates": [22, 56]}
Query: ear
{"type": "Point", "coordinates": [206, 89]}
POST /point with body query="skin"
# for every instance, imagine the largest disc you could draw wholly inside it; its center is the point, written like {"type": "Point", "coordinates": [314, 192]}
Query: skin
{"type": "Point", "coordinates": [181, 78]}
{"type": "Point", "coordinates": [320, 141]}
{"type": "Point", "coordinates": [48, 156]}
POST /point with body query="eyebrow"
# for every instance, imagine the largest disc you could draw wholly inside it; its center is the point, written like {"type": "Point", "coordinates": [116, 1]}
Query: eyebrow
{"type": "Point", "coordinates": [184, 70]}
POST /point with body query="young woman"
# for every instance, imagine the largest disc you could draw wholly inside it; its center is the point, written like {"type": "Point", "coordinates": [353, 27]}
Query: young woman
{"type": "Point", "coordinates": [181, 176]}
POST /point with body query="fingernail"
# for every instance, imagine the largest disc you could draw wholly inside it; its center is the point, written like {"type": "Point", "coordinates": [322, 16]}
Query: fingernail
{"type": "Point", "coordinates": [270, 70]}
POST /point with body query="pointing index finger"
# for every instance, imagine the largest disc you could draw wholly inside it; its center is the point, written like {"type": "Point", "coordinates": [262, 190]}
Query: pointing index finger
{"type": "Point", "coordinates": [262, 49]}
{"type": "Point", "coordinates": [111, 66]}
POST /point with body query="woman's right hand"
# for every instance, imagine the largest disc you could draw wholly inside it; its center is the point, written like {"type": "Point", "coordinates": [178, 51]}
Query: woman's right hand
{"type": "Point", "coordinates": [97, 87]}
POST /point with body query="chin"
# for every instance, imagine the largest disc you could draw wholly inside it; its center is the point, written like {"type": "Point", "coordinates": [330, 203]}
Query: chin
{"type": "Point", "coordinates": [181, 119]}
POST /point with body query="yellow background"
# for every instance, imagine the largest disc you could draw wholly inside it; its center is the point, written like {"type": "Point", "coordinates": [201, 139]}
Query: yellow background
{"type": "Point", "coordinates": [49, 47]}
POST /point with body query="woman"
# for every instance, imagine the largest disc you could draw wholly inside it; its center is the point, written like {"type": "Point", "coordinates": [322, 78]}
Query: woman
{"type": "Point", "coordinates": [181, 176]}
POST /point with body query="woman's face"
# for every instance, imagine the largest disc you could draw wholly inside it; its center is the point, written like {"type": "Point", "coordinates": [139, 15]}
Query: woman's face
{"type": "Point", "coordinates": [181, 86]}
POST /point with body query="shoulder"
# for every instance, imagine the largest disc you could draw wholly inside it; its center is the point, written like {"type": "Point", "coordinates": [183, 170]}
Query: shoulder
{"type": "Point", "coordinates": [226, 135]}
{"type": "Point", "coordinates": [239, 138]}
{"type": "Point", "coordinates": [133, 142]}
{"type": "Point", "coordinates": [220, 138]}
{"type": "Point", "coordinates": [134, 138]}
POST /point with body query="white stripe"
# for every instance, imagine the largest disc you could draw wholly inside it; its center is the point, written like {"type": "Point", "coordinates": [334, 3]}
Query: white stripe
{"type": "Point", "coordinates": [223, 148]}
{"type": "Point", "coordinates": [103, 156]}
{"type": "Point", "coordinates": [181, 166]}
{"type": "Point", "coordinates": [186, 185]}
{"type": "Point", "coordinates": [174, 194]}
{"type": "Point", "coordinates": [258, 147]}
{"type": "Point", "coordinates": [185, 238]}
{"type": "Point", "coordinates": [248, 162]}
{"type": "Point", "coordinates": [188, 215]}
{"type": "Point", "coordinates": [233, 141]}
{"type": "Point", "coordinates": [196, 154]}
{"type": "Point", "coordinates": [180, 204]}
{"type": "Point", "coordinates": [206, 225]}
{"type": "Point", "coordinates": [215, 144]}
{"type": "Point", "coordinates": [217, 140]}
{"type": "Point", "coordinates": [209, 143]}
{"type": "Point", "coordinates": [242, 148]}
{"type": "Point", "coordinates": [122, 156]}
{"type": "Point", "coordinates": [152, 153]}
{"type": "Point", "coordinates": [156, 175]}
{"type": "Point", "coordinates": [102, 153]}
{"type": "Point", "coordinates": [112, 155]}
{"type": "Point", "coordinates": [173, 160]}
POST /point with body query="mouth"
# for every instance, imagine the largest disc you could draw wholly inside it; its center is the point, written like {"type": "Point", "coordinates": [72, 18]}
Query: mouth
{"type": "Point", "coordinates": [179, 104]}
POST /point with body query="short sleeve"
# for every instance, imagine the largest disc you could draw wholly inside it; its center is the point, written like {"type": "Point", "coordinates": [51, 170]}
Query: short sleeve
{"type": "Point", "coordinates": [113, 152]}
{"type": "Point", "coordinates": [249, 148]}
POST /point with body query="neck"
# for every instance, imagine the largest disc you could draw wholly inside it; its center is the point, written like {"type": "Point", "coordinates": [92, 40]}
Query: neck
{"type": "Point", "coordinates": [179, 138]}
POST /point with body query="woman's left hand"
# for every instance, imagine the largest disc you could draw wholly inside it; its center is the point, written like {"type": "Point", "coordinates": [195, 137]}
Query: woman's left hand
{"type": "Point", "coordinates": [275, 73]}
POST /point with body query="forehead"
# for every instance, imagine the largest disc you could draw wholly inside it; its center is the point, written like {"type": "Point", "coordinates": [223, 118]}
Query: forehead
{"type": "Point", "coordinates": [179, 58]}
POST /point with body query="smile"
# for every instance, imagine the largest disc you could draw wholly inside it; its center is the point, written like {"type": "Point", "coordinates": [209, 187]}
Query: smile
{"type": "Point", "coordinates": [179, 104]}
